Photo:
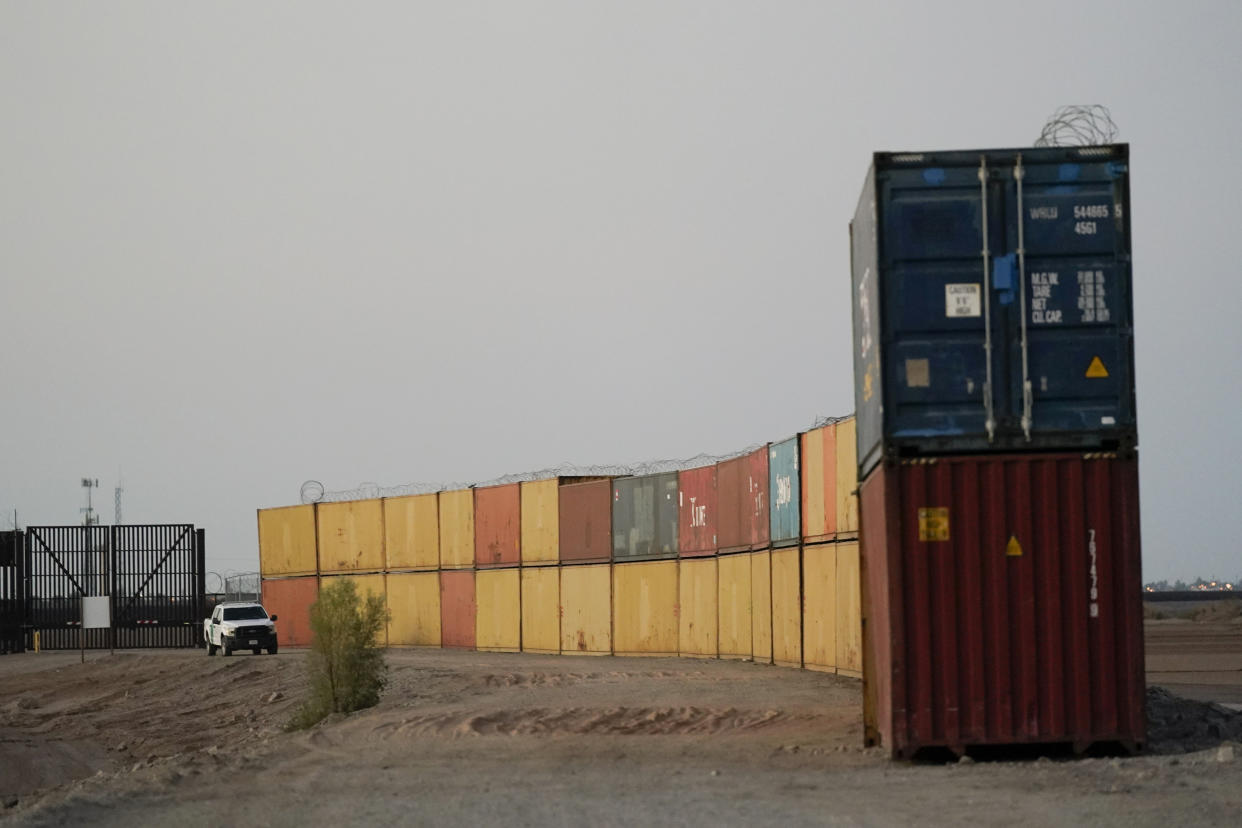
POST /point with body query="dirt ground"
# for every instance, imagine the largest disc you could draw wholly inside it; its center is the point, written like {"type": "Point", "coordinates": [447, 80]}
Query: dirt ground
{"type": "Point", "coordinates": [176, 737]}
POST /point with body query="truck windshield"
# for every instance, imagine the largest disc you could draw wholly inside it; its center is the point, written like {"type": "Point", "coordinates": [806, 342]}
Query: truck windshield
{"type": "Point", "coordinates": [243, 613]}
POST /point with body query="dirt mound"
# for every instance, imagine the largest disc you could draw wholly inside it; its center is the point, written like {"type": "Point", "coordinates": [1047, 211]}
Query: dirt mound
{"type": "Point", "coordinates": [580, 721]}
{"type": "Point", "coordinates": [1218, 612]}
{"type": "Point", "coordinates": [1178, 725]}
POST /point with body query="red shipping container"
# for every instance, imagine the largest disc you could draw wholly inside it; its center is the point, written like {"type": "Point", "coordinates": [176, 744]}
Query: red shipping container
{"type": "Point", "coordinates": [457, 609]}
{"type": "Point", "coordinates": [586, 521]}
{"type": "Point", "coordinates": [742, 502]}
{"type": "Point", "coordinates": [696, 493]}
{"type": "Point", "coordinates": [290, 599]}
{"type": "Point", "coordinates": [498, 525]}
{"type": "Point", "coordinates": [1002, 603]}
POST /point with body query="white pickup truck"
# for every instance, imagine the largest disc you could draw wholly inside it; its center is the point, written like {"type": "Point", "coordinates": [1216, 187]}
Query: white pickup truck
{"type": "Point", "coordinates": [239, 626]}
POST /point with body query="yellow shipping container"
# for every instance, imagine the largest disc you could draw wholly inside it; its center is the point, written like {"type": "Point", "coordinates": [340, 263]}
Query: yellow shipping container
{"type": "Point", "coordinates": [847, 478]}
{"type": "Point", "coordinates": [457, 529]}
{"type": "Point", "coordinates": [761, 606]}
{"type": "Point", "coordinates": [644, 610]}
{"type": "Point", "coordinates": [498, 622]}
{"type": "Point", "coordinates": [734, 603]}
{"type": "Point", "coordinates": [541, 531]}
{"type": "Point", "coordinates": [366, 585]}
{"type": "Point", "coordinates": [586, 610]}
{"type": "Point", "coordinates": [414, 607]}
{"type": "Point", "coordinates": [698, 613]}
{"type": "Point", "coordinates": [819, 607]}
{"type": "Point", "coordinates": [786, 608]}
{"type": "Point", "coordinates": [412, 532]}
{"type": "Point", "coordinates": [849, 611]}
{"type": "Point", "coordinates": [541, 610]}
{"type": "Point", "coordinates": [351, 536]}
{"type": "Point", "coordinates": [287, 541]}
{"type": "Point", "coordinates": [815, 503]}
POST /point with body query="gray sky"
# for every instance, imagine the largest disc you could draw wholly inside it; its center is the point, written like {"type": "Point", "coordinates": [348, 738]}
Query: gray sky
{"type": "Point", "coordinates": [243, 245]}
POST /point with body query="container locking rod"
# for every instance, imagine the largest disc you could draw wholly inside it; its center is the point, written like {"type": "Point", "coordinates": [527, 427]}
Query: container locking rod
{"type": "Point", "coordinates": [1019, 175]}
{"type": "Point", "coordinates": [990, 422]}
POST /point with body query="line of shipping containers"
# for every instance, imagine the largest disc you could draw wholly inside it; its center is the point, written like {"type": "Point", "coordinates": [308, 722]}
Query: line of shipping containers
{"type": "Point", "coordinates": [585, 542]}
{"type": "Point", "coordinates": [743, 528]}
{"type": "Point", "coordinates": [289, 568]}
{"type": "Point", "coordinates": [412, 561]}
{"type": "Point", "coordinates": [456, 519]}
{"type": "Point", "coordinates": [698, 587]}
{"type": "Point", "coordinates": [987, 564]}
{"type": "Point", "coordinates": [645, 590]}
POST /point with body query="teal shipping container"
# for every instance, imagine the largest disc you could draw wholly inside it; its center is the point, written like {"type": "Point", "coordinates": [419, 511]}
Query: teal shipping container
{"type": "Point", "coordinates": [784, 492]}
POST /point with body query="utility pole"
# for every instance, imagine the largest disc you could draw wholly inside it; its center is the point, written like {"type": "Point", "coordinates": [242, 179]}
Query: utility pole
{"type": "Point", "coordinates": [117, 495]}
{"type": "Point", "coordinates": [90, 519]}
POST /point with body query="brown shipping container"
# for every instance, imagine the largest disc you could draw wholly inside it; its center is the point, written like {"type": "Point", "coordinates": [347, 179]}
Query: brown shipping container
{"type": "Point", "coordinates": [1002, 602]}
{"type": "Point", "coordinates": [819, 484]}
{"type": "Point", "coordinates": [742, 502]}
{"type": "Point", "coordinates": [586, 521]}
{"type": "Point", "coordinates": [696, 493]}
{"type": "Point", "coordinates": [457, 610]}
{"type": "Point", "coordinates": [290, 599]}
{"type": "Point", "coordinates": [498, 525]}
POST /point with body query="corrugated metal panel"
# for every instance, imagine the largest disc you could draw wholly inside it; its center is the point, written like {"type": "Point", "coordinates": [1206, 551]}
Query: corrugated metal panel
{"type": "Point", "coordinates": [498, 525]}
{"type": "Point", "coordinates": [1003, 602]}
{"type": "Point", "coordinates": [540, 523]}
{"type": "Point", "coordinates": [787, 607]}
{"type": "Point", "coordinates": [412, 532]}
{"type": "Point", "coordinates": [698, 612]}
{"type": "Point", "coordinates": [734, 601]}
{"type": "Point", "coordinates": [351, 536]}
{"type": "Point", "coordinates": [819, 484]}
{"type": "Point", "coordinates": [586, 609]}
{"type": "Point", "coordinates": [457, 608]}
{"type": "Point", "coordinates": [414, 607]}
{"type": "Point", "coordinates": [696, 502]}
{"type": "Point", "coordinates": [1030, 270]}
{"type": "Point", "coordinates": [541, 610]}
{"type": "Point", "coordinates": [849, 611]}
{"type": "Point", "coordinates": [761, 606]}
{"type": "Point", "coordinates": [819, 607]}
{"type": "Point", "coordinates": [366, 585]}
{"type": "Point", "coordinates": [585, 521]}
{"type": "Point", "coordinates": [644, 517]}
{"type": "Point", "coordinates": [847, 479]}
{"type": "Point", "coordinates": [742, 494]}
{"type": "Point", "coordinates": [498, 598]}
{"type": "Point", "coordinates": [290, 599]}
{"type": "Point", "coordinates": [457, 532]}
{"type": "Point", "coordinates": [287, 541]}
{"type": "Point", "coordinates": [785, 489]}
{"type": "Point", "coordinates": [644, 606]}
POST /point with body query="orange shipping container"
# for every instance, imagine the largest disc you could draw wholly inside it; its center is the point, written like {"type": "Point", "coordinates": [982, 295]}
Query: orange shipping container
{"type": "Point", "coordinates": [412, 532]}
{"type": "Point", "coordinates": [497, 525]}
{"type": "Point", "coordinates": [351, 536]}
{"type": "Point", "coordinates": [819, 484]}
{"type": "Point", "coordinates": [457, 533]}
{"type": "Point", "coordinates": [290, 599]}
{"type": "Point", "coordinates": [457, 609]}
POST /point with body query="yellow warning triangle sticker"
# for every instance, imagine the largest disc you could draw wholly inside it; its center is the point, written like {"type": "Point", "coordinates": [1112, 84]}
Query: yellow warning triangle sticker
{"type": "Point", "coordinates": [1096, 369]}
{"type": "Point", "coordinates": [1013, 549]}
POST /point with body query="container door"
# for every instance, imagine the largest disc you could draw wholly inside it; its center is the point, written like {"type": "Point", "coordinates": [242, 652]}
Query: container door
{"type": "Point", "coordinates": [1066, 257]}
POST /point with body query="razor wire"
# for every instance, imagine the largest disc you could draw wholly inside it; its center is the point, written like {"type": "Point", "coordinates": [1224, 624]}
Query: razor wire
{"type": "Point", "coordinates": [314, 492]}
{"type": "Point", "coordinates": [1078, 126]}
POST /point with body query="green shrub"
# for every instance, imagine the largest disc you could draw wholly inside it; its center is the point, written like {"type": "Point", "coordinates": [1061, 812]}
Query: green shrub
{"type": "Point", "coordinates": [345, 665]}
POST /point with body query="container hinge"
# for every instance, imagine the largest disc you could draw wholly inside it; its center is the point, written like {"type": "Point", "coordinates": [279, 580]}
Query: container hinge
{"type": "Point", "coordinates": [990, 421]}
{"type": "Point", "coordinates": [1019, 175]}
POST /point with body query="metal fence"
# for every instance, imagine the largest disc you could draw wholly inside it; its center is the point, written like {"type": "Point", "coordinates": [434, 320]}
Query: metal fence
{"type": "Point", "coordinates": [244, 586]}
{"type": "Point", "coordinates": [12, 638]}
{"type": "Point", "coordinates": [153, 575]}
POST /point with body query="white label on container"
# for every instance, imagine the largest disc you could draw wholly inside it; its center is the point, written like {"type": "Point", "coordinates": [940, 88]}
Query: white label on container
{"type": "Point", "coordinates": [962, 300]}
{"type": "Point", "coordinates": [1108, 421]}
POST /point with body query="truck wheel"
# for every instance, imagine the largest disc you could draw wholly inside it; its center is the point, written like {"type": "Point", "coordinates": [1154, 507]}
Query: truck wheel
{"type": "Point", "coordinates": [225, 648]}
{"type": "Point", "coordinates": [211, 649]}
{"type": "Point", "coordinates": [272, 649]}
{"type": "Point", "coordinates": [256, 650]}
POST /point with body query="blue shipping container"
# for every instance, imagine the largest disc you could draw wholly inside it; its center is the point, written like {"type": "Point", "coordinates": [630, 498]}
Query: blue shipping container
{"type": "Point", "coordinates": [784, 493]}
{"type": "Point", "coordinates": [992, 302]}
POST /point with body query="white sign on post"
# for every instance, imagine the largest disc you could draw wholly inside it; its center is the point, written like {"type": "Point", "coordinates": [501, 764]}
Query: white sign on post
{"type": "Point", "coordinates": [96, 612]}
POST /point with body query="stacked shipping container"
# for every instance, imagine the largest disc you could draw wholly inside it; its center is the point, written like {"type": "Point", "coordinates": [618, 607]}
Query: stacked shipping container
{"type": "Point", "coordinates": [992, 315]}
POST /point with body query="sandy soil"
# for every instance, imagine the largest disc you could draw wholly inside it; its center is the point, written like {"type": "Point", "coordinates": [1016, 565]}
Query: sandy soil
{"type": "Point", "coordinates": [167, 737]}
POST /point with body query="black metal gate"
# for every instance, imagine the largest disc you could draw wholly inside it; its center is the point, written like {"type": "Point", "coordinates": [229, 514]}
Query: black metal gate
{"type": "Point", "coordinates": [153, 574]}
{"type": "Point", "coordinates": [12, 586]}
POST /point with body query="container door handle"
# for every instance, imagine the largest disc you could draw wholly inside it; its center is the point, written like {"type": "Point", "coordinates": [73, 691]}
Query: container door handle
{"type": "Point", "coordinates": [1019, 175]}
{"type": "Point", "coordinates": [990, 422]}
